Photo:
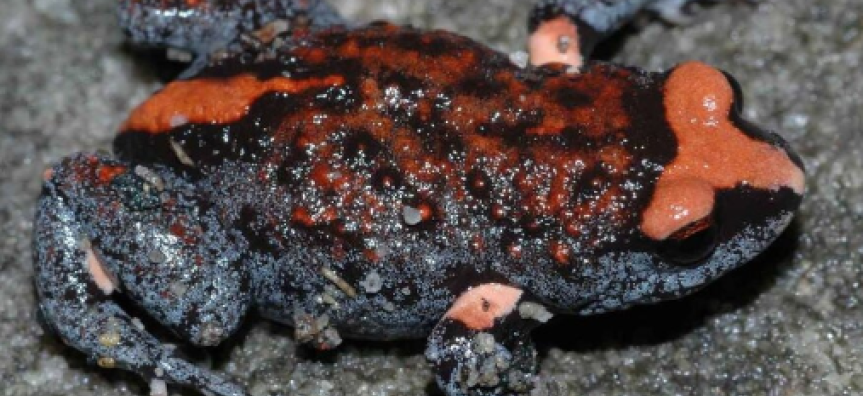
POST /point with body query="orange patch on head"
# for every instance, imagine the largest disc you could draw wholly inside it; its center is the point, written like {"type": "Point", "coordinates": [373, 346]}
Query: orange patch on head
{"type": "Point", "coordinates": [676, 204]}
{"type": "Point", "coordinates": [478, 307]}
{"type": "Point", "coordinates": [212, 100]}
{"type": "Point", "coordinates": [555, 41]}
{"type": "Point", "coordinates": [712, 153]}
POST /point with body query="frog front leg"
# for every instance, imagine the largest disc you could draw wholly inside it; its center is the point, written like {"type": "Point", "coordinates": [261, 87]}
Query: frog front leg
{"type": "Point", "coordinates": [482, 346]}
{"type": "Point", "coordinates": [95, 230]}
{"type": "Point", "coordinates": [566, 31]}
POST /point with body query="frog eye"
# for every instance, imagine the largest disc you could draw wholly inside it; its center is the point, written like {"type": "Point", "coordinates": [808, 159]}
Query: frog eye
{"type": "Point", "coordinates": [692, 243]}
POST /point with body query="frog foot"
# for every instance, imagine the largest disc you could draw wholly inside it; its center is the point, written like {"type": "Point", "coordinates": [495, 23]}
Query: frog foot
{"type": "Point", "coordinates": [482, 346]}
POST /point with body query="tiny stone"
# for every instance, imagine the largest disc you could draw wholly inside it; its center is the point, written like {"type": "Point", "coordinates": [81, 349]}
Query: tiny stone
{"type": "Point", "coordinates": [330, 338]}
{"type": "Point", "coordinates": [411, 215]}
{"type": "Point", "coordinates": [181, 154]}
{"type": "Point", "coordinates": [332, 276]}
{"type": "Point", "coordinates": [489, 375]}
{"type": "Point", "coordinates": [109, 339]}
{"type": "Point", "coordinates": [179, 55]}
{"type": "Point", "coordinates": [156, 256]}
{"type": "Point", "coordinates": [372, 283]}
{"type": "Point", "coordinates": [537, 312]}
{"type": "Point", "coordinates": [178, 288]}
{"type": "Point", "coordinates": [484, 343]}
{"type": "Point", "coordinates": [158, 388]}
{"type": "Point", "coordinates": [150, 177]}
{"type": "Point", "coordinates": [322, 321]}
{"type": "Point", "coordinates": [106, 362]}
{"type": "Point", "coordinates": [519, 58]}
{"type": "Point", "coordinates": [211, 333]}
{"type": "Point", "coordinates": [328, 299]}
{"type": "Point", "coordinates": [138, 324]}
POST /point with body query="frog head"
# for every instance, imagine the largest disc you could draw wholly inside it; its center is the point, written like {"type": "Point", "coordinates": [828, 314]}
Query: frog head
{"type": "Point", "coordinates": [728, 192]}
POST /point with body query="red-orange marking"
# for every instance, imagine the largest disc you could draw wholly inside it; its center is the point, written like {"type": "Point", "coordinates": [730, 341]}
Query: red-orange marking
{"type": "Point", "coordinates": [560, 251]}
{"type": "Point", "coordinates": [478, 307]}
{"type": "Point", "coordinates": [712, 153]}
{"type": "Point", "coordinates": [98, 273]}
{"type": "Point", "coordinates": [302, 216]}
{"type": "Point", "coordinates": [108, 173]}
{"type": "Point", "coordinates": [213, 100]}
{"type": "Point", "coordinates": [544, 43]}
{"type": "Point", "coordinates": [47, 174]}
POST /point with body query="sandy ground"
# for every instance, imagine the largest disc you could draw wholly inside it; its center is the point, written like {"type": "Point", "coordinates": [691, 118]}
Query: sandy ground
{"type": "Point", "coordinates": [790, 323]}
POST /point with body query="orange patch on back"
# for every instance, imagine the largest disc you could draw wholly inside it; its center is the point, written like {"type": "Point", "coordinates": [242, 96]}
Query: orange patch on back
{"type": "Point", "coordinates": [712, 153]}
{"type": "Point", "coordinates": [213, 100]}
{"type": "Point", "coordinates": [478, 307]}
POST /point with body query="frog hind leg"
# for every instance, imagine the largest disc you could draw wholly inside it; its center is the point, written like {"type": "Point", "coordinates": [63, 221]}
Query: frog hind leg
{"type": "Point", "coordinates": [194, 30]}
{"type": "Point", "coordinates": [566, 31]}
{"type": "Point", "coordinates": [75, 294]}
{"type": "Point", "coordinates": [482, 346]}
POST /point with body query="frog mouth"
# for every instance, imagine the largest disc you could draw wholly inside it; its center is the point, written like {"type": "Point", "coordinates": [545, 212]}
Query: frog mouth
{"type": "Point", "coordinates": [645, 279]}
